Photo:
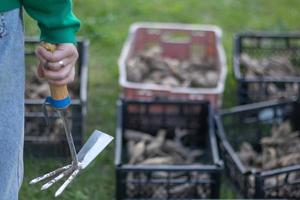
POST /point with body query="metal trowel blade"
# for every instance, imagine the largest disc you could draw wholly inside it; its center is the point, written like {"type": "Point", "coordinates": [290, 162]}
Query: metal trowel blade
{"type": "Point", "coordinates": [93, 146]}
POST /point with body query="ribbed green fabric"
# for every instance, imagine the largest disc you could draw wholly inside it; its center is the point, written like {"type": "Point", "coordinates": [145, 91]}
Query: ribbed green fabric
{"type": "Point", "coordinates": [55, 18]}
{"type": "Point", "coordinates": [6, 5]}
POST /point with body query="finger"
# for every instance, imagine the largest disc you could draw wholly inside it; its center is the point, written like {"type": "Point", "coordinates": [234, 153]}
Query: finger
{"type": "Point", "coordinates": [40, 57]}
{"type": "Point", "coordinates": [67, 80]}
{"type": "Point", "coordinates": [44, 55]}
{"type": "Point", "coordinates": [70, 49]}
{"type": "Point", "coordinates": [58, 75]}
{"type": "Point", "coordinates": [54, 66]}
{"type": "Point", "coordinates": [59, 65]}
{"type": "Point", "coordinates": [63, 51]}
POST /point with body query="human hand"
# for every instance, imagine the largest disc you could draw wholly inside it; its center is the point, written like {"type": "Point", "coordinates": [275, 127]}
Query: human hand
{"type": "Point", "coordinates": [57, 67]}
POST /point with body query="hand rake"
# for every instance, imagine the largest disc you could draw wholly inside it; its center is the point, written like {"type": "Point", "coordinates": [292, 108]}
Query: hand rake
{"type": "Point", "coordinates": [60, 100]}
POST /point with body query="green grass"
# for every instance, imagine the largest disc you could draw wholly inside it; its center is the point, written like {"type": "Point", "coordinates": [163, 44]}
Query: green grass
{"type": "Point", "coordinates": [105, 23]}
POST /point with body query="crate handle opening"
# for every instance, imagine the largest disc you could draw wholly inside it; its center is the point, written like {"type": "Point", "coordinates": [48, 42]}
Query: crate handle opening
{"type": "Point", "coordinates": [176, 37]}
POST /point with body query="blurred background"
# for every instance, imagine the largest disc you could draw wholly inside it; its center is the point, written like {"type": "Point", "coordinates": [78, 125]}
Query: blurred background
{"type": "Point", "coordinates": [105, 23]}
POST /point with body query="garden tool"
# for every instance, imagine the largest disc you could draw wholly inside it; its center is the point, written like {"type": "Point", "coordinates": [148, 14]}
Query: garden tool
{"type": "Point", "coordinates": [60, 100]}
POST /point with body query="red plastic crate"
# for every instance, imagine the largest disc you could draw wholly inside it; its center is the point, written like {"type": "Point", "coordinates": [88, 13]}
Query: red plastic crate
{"type": "Point", "coordinates": [194, 40]}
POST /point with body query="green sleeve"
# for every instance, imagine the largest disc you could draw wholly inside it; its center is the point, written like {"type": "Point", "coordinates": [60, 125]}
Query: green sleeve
{"type": "Point", "coordinates": [55, 19]}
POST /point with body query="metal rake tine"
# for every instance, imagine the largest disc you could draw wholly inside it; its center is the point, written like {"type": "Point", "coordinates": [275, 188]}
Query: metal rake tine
{"type": "Point", "coordinates": [66, 183]}
{"type": "Point", "coordinates": [57, 178]}
{"type": "Point", "coordinates": [50, 174]}
{"type": "Point", "coordinates": [45, 111]}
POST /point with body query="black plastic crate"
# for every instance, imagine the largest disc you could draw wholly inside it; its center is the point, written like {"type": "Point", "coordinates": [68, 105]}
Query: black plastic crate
{"type": "Point", "coordinates": [150, 116]}
{"type": "Point", "coordinates": [249, 123]}
{"type": "Point", "coordinates": [266, 45]}
{"type": "Point", "coordinates": [39, 141]}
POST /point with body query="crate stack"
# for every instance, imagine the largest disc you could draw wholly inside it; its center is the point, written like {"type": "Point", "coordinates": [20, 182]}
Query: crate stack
{"type": "Point", "coordinates": [41, 140]}
{"type": "Point", "coordinates": [172, 78]}
{"type": "Point", "coordinates": [259, 140]}
{"type": "Point", "coordinates": [169, 93]}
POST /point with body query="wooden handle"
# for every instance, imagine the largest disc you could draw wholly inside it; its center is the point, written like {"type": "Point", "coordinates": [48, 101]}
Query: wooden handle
{"type": "Point", "coordinates": [57, 92]}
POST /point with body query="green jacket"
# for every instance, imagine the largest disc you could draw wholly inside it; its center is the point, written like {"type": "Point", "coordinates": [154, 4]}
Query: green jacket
{"type": "Point", "coordinates": [55, 18]}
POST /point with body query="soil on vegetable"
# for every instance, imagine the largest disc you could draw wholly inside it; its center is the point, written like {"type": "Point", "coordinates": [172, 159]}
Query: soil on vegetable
{"type": "Point", "coordinates": [145, 149]}
{"type": "Point", "coordinates": [280, 149]}
{"type": "Point", "coordinates": [151, 67]}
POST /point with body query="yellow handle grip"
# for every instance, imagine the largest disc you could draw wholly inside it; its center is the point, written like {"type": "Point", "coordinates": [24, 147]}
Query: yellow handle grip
{"type": "Point", "coordinates": [57, 92]}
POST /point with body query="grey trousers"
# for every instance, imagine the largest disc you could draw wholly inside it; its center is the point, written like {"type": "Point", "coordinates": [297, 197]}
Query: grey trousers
{"type": "Point", "coordinates": [11, 104]}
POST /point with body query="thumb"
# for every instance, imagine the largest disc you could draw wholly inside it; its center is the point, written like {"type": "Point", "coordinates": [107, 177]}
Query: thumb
{"type": "Point", "coordinates": [40, 70]}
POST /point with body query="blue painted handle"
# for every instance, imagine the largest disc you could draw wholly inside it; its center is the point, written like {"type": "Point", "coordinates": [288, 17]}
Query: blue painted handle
{"type": "Point", "coordinates": [58, 104]}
